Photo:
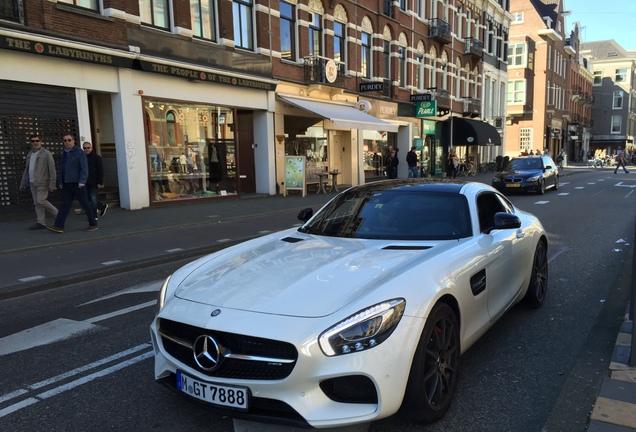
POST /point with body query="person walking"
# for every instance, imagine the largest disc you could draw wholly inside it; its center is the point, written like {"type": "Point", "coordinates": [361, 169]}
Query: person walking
{"type": "Point", "coordinates": [620, 161]}
{"type": "Point", "coordinates": [39, 175]}
{"type": "Point", "coordinates": [71, 179]}
{"type": "Point", "coordinates": [560, 158]}
{"type": "Point", "coordinates": [411, 160]}
{"type": "Point", "coordinates": [391, 165]}
{"type": "Point", "coordinates": [95, 179]}
{"type": "Point", "coordinates": [453, 164]}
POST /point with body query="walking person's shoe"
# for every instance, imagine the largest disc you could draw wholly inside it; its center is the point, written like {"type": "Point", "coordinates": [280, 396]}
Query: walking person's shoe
{"type": "Point", "coordinates": [91, 228]}
{"type": "Point", "coordinates": [103, 210]}
{"type": "Point", "coordinates": [37, 226]}
{"type": "Point", "coordinates": [55, 229]}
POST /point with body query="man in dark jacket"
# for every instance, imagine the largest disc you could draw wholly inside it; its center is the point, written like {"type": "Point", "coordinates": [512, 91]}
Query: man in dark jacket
{"type": "Point", "coordinates": [391, 165]}
{"type": "Point", "coordinates": [411, 160]}
{"type": "Point", "coordinates": [95, 179]}
{"type": "Point", "coordinates": [71, 179]}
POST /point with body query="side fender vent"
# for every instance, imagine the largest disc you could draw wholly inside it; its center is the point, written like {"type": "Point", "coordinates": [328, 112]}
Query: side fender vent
{"type": "Point", "coordinates": [478, 282]}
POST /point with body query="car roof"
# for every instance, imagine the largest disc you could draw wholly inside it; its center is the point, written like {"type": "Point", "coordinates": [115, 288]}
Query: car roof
{"type": "Point", "coordinates": [419, 185]}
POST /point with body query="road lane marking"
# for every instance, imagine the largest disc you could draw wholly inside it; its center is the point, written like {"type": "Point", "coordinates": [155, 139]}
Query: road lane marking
{"type": "Point", "coordinates": [91, 377]}
{"type": "Point", "coordinates": [542, 202]}
{"type": "Point", "coordinates": [87, 367]}
{"type": "Point", "coordinates": [44, 334]}
{"type": "Point", "coordinates": [31, 278]}
{"type": "Point", "coordinates": [174, 250]}
{"type": "Point", "coordinates": [76, 383]}
{"type": "Point", "coordinates": [107, 263]}
{"type": "Point", "coordinates": [59, 330]}
{"type": "Point", "coordinates": [563, 249]}
{"type": "Point", "coordinates": [120, 312]}
{"type": "Point", "coordinates": [564, 193]}
{"type": "Point", "coordinates": [153, 286]}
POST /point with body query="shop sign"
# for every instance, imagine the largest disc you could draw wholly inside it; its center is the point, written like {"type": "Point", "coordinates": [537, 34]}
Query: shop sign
{"type": "Point", "coordinates": [43, 48]}
{"type": "Point", "coordinates": [331, 71]}
{"type": "Point", "coordinates": [426, 109]}
{"type": "Point", "coordinates": [428, 127]}
{"type": "Point", "coordinates": [199, 75]}
{"type": "Point", "coordinates": [425, 97]}
{"type": "Point", "coordinates": [367, 87]}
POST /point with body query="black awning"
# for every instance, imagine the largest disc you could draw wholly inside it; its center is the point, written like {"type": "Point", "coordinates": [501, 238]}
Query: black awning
{"type": "Point", "coordinates": [471, 132]}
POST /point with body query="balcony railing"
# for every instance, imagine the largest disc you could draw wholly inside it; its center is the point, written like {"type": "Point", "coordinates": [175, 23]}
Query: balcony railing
{"type": "Point", "coordinates": [316, 71]}
{"type": "Point", "coordinates": [474, 47]}
{"type": "Point", "coordinates": [440, 30]}
{"type": "Point", "coordinates": [12, 10]}
{"type": "Point", "coordinates": [472, 107]}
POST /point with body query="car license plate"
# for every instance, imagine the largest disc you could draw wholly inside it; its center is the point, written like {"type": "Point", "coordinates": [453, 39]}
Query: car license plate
{"type": "Point", "coordinates": [513, 185]}
{"type": "Point", "coordinates": [228, 396]}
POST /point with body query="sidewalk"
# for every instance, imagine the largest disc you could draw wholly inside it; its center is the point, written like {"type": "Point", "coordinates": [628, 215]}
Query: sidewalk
{"type": "Point", "coordinates": [169, 232]}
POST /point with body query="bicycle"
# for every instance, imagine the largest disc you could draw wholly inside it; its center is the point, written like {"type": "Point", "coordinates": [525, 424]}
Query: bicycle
{"type": "Point", "coordinates": [489, 167]}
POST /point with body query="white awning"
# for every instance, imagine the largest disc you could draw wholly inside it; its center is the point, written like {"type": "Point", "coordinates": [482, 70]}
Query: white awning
{"type": "Point", "coordinates": [341, 116]}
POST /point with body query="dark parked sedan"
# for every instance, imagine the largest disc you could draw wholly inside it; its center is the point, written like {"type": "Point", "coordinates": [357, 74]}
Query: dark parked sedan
{"type": "Point", "coordinates": [528, 173]}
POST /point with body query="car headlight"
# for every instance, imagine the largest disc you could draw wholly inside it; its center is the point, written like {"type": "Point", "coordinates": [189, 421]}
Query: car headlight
{"type": "Point", "coordinates": [363, 330]}
{"type": "Point", "coordinates": [533, 178]}
{"type": "Point", "coordinates": [161, 301]}
{"type": "Point", "coordinates": [496, 179]}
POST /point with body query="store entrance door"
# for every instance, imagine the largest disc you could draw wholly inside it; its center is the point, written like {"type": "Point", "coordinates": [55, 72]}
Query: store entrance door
{"type": "Point", "coordinates": [245, 161]}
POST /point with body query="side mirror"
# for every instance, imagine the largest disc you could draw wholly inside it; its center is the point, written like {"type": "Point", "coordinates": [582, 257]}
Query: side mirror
{"type": "Point", "coordinates": [506, 221]}
{"type": "Point", "coordinates": [305, 214]}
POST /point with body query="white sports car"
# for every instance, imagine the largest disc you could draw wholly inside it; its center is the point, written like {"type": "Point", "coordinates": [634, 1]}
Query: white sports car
{"type": "Point", "coordinates": [361, 312]}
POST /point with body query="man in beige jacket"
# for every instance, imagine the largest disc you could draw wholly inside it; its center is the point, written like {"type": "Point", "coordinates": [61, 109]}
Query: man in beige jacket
{"type": "Point", "coordinates": [40, 175]}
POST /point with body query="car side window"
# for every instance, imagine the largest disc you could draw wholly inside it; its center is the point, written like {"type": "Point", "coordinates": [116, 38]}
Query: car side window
{"type": "Point", "coordinates": [488, 204]}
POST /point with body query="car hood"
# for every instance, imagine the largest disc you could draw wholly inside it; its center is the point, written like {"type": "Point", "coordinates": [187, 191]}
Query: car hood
{"type": "Point", "coordinates": [297, 274]}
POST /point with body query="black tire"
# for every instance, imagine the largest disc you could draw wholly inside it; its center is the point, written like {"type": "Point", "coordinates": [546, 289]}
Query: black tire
{"type": "Point", "coordinates": [433, 377]}
{"type": "Point", "coordinates": [541, 187]}
{"type": "Point", "coordinates": [538, 286]}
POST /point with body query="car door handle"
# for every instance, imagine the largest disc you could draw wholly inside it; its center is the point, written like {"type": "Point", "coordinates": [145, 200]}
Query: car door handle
{"type": "Point", "coordinates": [520, 233]}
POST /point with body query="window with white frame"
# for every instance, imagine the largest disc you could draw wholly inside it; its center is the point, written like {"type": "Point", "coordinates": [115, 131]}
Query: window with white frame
{"type": "Point", "coordinates": [617, 122]}
{"type": "Point", "coordinates": [155, 13]}
{"type": "Point", "coordinates": [621, 75]}
{"type": "Point", "coordinates": [404, 5]}
{"type": "Point", "coordinates": [525, 139]}
{"type": "Point", "coordinates": [287, 31]}
{"type": "Point", "coordinates": [339, 40]}
{"type": "Point", "coordinates": [598, 78]}
{"type": "Point", "coordinates": [517, 54]}
{"type": "Point", "coordinates": [86, 4]}
{"type": "Point", "coordinates": [517, 18]}
{"type": "Point", "coordinates": [401, 66]}
{"type": "Point", "coordinates": [203, 16]}
{"type": "Point", "coordinates": [419, 72]}
{"type": "Point", "coordinates": [365, 55]}
{"type": "Point", "coordinates": [243, 24]}
{"type": "Point", "coordinates": [516, 92]}
{"type": "Point", "coordinates": [386, 58]}
{"type": "Point", "coordinates": [315, 35]}
{"type": "Point", "coordinates": [617, 99]}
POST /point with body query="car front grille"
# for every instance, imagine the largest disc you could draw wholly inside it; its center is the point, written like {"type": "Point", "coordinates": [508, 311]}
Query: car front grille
{"type": "Point", "coordinates": [512, 180]}
{"type": "Point", "coordinates": [178, 338]}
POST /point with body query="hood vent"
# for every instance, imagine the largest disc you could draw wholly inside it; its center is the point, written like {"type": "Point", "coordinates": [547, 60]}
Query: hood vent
{"type": "Point", "coordinates": [292, 240]}
{"type": "Point", "coordinates": [395, 247]}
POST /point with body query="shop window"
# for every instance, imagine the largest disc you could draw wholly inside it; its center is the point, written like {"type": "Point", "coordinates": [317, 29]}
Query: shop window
{"type": "Point", "coordinates": [312, 144]}
{"type": "Point", "coordinates": [191, 150]}
{"type": "Point", "coordinates": [155, 13]}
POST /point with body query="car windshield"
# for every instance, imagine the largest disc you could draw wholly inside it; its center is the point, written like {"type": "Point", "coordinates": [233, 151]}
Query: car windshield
{"type": "Point", "coordinates": [395, 214]}
{"type": "Point", "coordinates": [526, 164]}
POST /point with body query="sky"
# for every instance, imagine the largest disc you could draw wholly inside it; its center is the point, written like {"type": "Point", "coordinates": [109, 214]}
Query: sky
{"type": "Point", "coordinates": [603, 20]}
